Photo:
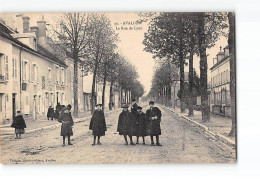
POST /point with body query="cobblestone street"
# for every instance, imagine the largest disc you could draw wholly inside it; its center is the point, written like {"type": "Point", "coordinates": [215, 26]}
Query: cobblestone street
{"type": "Point", "coordinates": [182, 143]}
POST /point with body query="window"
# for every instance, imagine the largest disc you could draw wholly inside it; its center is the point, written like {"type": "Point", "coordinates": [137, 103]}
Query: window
{"type": "Point", "coordinates": [34, 73]}
{"type": "Point", "coordinates": [49, 76]}
{"type": "Point", "coordinates": [43, 82]}
{"type": "Point", "coordinates": [26, 73]}
{"type": "Point", "coordinates": [57, 75]}
{"type": "Point", "coordinates": [14, 68]}
{"type": "Point", "coordinates": [62, 76]}
{"type": "Point", "coordinates": [6, 68]}
{"type": "Point", "coordinates": [37, 74]}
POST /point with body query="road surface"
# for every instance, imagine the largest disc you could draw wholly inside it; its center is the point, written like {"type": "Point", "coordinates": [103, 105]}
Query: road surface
{"type": "Point", "coordinates": [181, 142]}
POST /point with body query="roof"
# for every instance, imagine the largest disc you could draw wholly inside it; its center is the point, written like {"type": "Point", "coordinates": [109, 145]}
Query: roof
{"type": "Point", "coordinates": [4, 32]}
{"type": "Point", "coordinates": [222, 60]}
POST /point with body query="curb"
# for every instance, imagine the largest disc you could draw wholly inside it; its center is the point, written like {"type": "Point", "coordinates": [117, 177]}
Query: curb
{"type": "Point", "coordinates": [77, 120]}
{"type": "Point", "coordinates": [220, 137]}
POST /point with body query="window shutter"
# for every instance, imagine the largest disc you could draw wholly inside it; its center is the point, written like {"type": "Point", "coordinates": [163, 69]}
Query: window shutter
{"type": "Point", "coordinates": [6, 68]}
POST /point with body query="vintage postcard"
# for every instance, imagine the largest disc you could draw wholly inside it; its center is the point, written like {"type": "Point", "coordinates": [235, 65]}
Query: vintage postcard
{"type": "Point", "coordinates": [118, 88]}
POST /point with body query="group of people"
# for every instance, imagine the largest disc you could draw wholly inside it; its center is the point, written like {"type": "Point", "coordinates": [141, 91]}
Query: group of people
{"type": "Point", "coordinates": [54, 114]}
{"type": "Point", "coordinates": [130, 123]}
{"type": "Point", "coordinates": [139, 124]}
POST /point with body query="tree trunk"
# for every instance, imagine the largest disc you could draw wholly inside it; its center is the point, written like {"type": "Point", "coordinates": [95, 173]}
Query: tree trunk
{"type": "Point", "coordinates": [104, 89]}
{"type": "Point", "coordinates": [191, 84]}
{"type": "Point", "coordinates": [203, 70]}
{"type": "Point", "coordinates": [182, 81]}
{"type": "Point", "coordinates": [93, 89]}
{"type": "Point", "coordinates": [232, 57]}
{"type": "Point", "coordinates": [75, 86]}
{"type": "Point", "coordinates": [111, 95]}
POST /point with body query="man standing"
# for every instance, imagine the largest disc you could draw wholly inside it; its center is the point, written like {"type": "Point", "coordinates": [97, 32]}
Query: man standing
{"type": "Point", "coordinates": [154, 119]}
{"type": "Point", "coordinates": [125, 124]}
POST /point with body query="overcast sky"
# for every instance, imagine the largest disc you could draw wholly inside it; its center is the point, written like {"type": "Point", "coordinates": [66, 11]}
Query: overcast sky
{"type": "Point", "coordinates": [130, 45]}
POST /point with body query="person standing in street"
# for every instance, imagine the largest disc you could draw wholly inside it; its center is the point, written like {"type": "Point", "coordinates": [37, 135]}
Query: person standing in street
{"type": "Point", "coordinates": [154, 115]}
{"type": "Point", "coordinates": [125, 124]}
{"type": "Point", "coordinates": [98, 124]}
{"type": "Point", "coordinates": [67, 122]}
{"type": "Point", "coordinates": [50, 113]}
{"type": "Point", "coordinates": [141, 124]}
{"type": "Point", "coordinates": [19, 125]}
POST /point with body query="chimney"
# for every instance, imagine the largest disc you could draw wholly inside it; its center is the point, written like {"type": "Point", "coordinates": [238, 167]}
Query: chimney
{"type": "Point", "coordinates": [42, 28]}
{"type": "Point", "coordinates": [42, 39]}
{"type": "Point", "coordinates": [26, 24]}
{"type": "Point", "coordinates": [19, 23]}
{"type": "Point", "coordinates": [35, 30]}
{"type": "Point", "coordinates": [220, 48]}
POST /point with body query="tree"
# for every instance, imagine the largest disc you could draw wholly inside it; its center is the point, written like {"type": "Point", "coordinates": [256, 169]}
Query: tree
{"type": "Point", "coordinates": [210, 27]}
{"type": "Point", "coordinates": [166, 38]}
{"type": "Point", "coordinates": [232, 57]}
{"type": "Point", "coordinates": [101, 41]}
{"type": "Point", "coordinates": [72, 31]}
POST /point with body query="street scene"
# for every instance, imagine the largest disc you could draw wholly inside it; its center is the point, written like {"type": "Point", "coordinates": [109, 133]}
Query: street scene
{"type": "Point", "coordinates": [182, 143]}
{"type": "Point", "coordinates": [108, 88]}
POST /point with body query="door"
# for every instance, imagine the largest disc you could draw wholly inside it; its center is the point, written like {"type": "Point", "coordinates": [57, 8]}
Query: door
{"type": "Point", "coordinates": [14, 105]}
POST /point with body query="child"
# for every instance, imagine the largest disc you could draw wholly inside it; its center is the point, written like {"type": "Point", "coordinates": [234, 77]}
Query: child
{"type": "Point", "coordinates": [141, 124]}
{"type": "Point", "coordinates": [67, 123]}
{"type": "Point", "coordinates": [125, 124]}
{"type": "Point", "coordinates": [98, 124]}
{"type": "Point", "coordinates": [19, 125]}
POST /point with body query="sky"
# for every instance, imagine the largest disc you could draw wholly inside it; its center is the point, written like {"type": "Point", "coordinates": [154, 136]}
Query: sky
{"type": "Point", "coordinates": [131, 36]}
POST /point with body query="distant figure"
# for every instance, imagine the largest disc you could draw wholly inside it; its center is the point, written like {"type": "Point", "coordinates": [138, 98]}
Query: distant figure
{"type": "Point", "coordinates": [98, 124]}
{"type": "Point", "coordinates": [134, 107]}
{"type": "Point", "coordinates": [57, 112]}
{"type": "Point", "coordinates": [50, 113]}
{"type": "Point", "coordinates": [125, 124]}
{"type": "Point", "coordinates": [67, 123]}
{"type": "Point", "coordinates": [154, 119]}
{"type": "Point", "coordinates": [141, 123]}
{"type": "Point", "coordinates": [19, 125]}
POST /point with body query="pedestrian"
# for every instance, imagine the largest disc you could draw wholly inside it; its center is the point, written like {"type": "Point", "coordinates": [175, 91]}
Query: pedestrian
{"type": "Point", "coordinates": [141, 123]}
{"type": "Point", "coordinates": [19, 125]}
{"type": "Point", "coordinates": [125, 124]}
{"type": "Point", "coordinates": [154, 115]}
{"type": "Point", "coordinates": [134, 117]}
{"type": "Point", "coordinates": [57, 111]}
{"type": "Point", "coordinates": [134, 107]}
{"type": "Point", "coordinates": [98, 124]}
{"type": "Point", "coordinates": [67, 122]}
{"type": "Point", "coordinates": [50, 113]}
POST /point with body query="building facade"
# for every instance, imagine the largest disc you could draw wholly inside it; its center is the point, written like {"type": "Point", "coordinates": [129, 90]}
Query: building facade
{"type": "Point", "coordinates": [32, 77]}
{"type": "Point", "coordinates": [220, 99]}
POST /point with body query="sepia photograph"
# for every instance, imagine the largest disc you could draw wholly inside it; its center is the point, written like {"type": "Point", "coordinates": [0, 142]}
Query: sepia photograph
{"type": "Point", "coordinates": [118, 88]}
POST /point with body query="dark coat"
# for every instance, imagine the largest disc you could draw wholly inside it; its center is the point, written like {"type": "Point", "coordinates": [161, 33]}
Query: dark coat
{"type": "Point", "coordinates": [50, 112]}
{"type": "Point", "coordinates": [134, 108]}
{"type": "Point", "coordinates": [18, 122]}
{"type": "Point", "coordinates": [98, 123]}
{"type": "Point", "coordinates": [67, 123]}
{"type": "Point", "coordinates": [153, 127]}
{"type": "Point", "coordinates": [140, 125]}
{"type": "Point", "coordinates": [125, 123]}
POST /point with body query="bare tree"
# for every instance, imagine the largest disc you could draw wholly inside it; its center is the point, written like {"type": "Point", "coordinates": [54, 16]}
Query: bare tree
{"type": "Point", "coordinates": [72, 31]}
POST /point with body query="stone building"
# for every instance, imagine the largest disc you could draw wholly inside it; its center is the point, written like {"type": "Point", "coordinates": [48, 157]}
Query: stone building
{"type": "Point", "coordinates": [32, 76]}
{"type": "Point", "coordinates": [220, 99]}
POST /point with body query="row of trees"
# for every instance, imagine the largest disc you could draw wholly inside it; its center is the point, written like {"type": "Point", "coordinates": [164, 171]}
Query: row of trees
{"type": "Point", "coordinates": [89, 39]}
{"type": "Point", "coordinates": [175, 38]}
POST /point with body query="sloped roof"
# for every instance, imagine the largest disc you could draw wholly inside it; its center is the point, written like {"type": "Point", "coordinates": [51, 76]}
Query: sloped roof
{"type": "Point", "coordinates": [222, 60]}
{"type": "Point", "coordinates": [4, 32]}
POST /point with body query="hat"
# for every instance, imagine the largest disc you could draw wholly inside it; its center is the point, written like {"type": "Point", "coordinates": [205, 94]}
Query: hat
{"type": "Point", "coordinates": [124, 106]}
{"type": "Point", "coordinates": [151, 102]}
{"type": "Point", "coordinates": [69, 106]}
{"type": "Point", "coordinates": [98, 105]}
{"type": "Point", "coordinates": [139, 107]}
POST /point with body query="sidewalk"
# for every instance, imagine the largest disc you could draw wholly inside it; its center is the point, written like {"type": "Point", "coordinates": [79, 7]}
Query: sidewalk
{"type": "Point", "coordinates": [43, 123]}
{"type": "Point", "coordinates": [219, 126]}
